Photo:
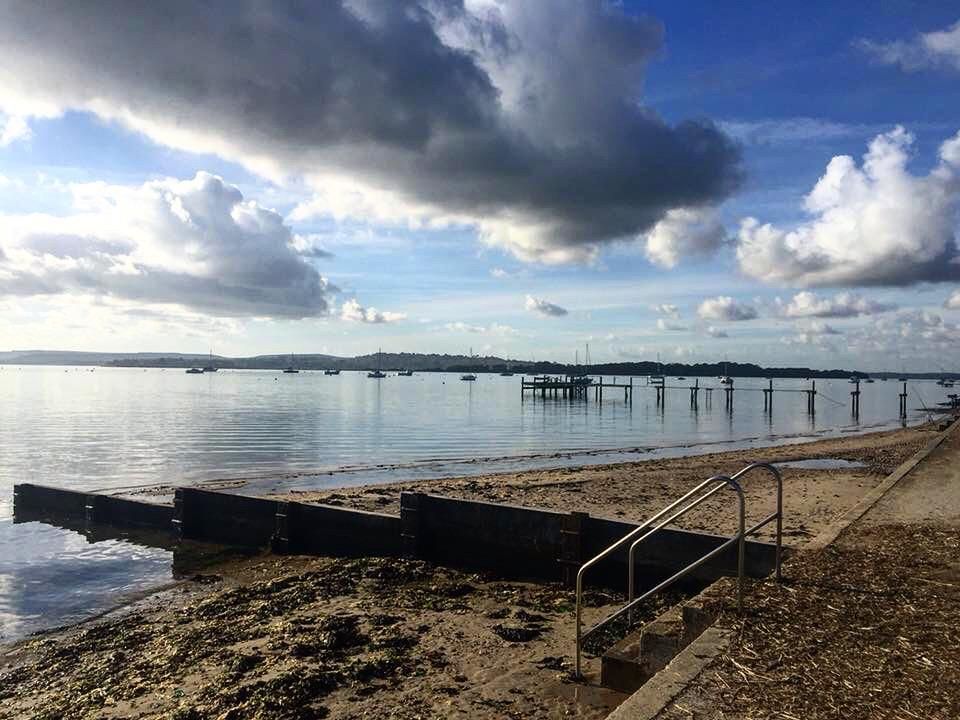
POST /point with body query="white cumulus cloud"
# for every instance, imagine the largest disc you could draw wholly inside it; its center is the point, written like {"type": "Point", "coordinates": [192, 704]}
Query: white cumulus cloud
{"type": "Point", "coordinates": [953, 302]}
{"type": "Point", "coordinates": [725, 308]}
{"type": "Point", "coordinates": [878, 224]}
{"type": "Point", "coordinates": [355, 312]}
{"type": "Point", "coordinates": [667, 309]}
{"type": "Point", "coordinates": [842, 305]}
{"type": "Point", "coordinates": [684, 233]}
{"type": "Point", "coordinates": [13, 128]}
{"type": "Point", "coordinates": [939, 48]}
{"type": "Point", "coordinates": [542, 307]}
{"type": "Point", "coordinates": [670, 326]}
{"type": "Point", "coordinates": [197, 244]}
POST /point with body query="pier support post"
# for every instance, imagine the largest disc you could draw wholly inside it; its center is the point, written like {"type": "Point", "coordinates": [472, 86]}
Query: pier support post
{"type": "Point", "coordinates": [768, 397]}
{"type": "Point", "coordinates": [855, 400]}
{"type": "Point", "coordinates": [728, 392]}
{"type": "Point", "coordinates": [903, 403]}
{"type": "Point", "coordinates": [811, 398]}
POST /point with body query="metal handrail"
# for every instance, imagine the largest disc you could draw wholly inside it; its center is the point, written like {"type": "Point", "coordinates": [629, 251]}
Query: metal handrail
{"type": "Point", "coordinates": [778, 516]}
{"type": "Point", "coordinates": [740, 536]}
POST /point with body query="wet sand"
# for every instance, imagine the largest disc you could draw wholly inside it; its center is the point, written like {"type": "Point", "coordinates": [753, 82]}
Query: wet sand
{"type": "Point", "coordinates": [636, 490]}
{"type": "Point", "coordinates": [297, 638]}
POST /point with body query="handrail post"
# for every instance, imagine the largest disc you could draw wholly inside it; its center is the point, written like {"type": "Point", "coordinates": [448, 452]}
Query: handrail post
{"type": "Point", "coordinates": [742, 547]}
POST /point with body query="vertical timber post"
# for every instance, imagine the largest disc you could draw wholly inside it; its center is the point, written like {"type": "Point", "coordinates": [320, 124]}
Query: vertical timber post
{"type": "Point", "coordinates": [571, 546]}
{"type": "Point", "coordinates": [411, 537]}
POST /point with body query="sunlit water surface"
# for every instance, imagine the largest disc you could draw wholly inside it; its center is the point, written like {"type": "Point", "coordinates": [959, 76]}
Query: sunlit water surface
{"type": "Point", "coordinates": [123, 428]}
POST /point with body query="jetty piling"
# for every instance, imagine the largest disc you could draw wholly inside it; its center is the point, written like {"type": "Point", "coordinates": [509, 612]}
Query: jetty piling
{"type": "Point", "coordinates": [768, 397]}
{"type": "Point", "coordinates": [903, 402]}
{"type": "Point", "coordinates": [573, 387]}
{"type": "Point", "coordinates": [855, 400]}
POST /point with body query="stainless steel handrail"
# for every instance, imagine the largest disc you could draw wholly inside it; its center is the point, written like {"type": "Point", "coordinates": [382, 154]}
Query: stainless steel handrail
{"type": "Point", "coordinates": [778, 516]}
{"type": "Point", "coordinates": [721, 481]}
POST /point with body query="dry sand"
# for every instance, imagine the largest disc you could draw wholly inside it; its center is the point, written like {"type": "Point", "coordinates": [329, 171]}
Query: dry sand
{"type": "Point", "coordinates": [297, 638]}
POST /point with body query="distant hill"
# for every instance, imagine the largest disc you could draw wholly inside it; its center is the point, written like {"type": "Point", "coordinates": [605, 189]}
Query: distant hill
{"type": "Point", "coordinates": [430, 362]}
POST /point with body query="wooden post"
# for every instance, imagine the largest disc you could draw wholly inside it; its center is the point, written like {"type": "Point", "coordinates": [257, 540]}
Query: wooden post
{"type": "Point", "coordinates": [903, 403]}
{"type": "Point", "coordinates": [855, 400]}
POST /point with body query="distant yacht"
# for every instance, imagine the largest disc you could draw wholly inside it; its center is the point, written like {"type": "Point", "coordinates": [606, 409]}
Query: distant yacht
{"type": "Point", "coordinates": [725, 379]}
{"type": "Point", "coordinates": [854, 379]}
{"type": "Point", "coordinates": [506, 373]}
{"type": "Point", "coordinates": [291, 368]}
{"type": "Point", "coordinates": [378, 373]}
{"type": "Point", "coordinates": [405, 373]}
{"type": "Point", "coordinates": [209, 367]}
{"type": "Point", "coordinates": [194, 371]}
{"type": "Point", "coordinates": [469, 377]}
{"type": "Point", "coordinates": [331, 372]}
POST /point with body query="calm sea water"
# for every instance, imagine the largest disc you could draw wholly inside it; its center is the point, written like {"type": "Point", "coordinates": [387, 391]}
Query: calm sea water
{"type": "Point", "coordinates": [123, 428]}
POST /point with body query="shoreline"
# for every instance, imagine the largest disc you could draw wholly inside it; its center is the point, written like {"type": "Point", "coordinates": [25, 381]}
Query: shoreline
{"type": "Point", "coordinates": [635, 489]}
{"type": "Point", "coordinates": [386, 474]}
{"type": "Point", "coordinates": [399, 638]}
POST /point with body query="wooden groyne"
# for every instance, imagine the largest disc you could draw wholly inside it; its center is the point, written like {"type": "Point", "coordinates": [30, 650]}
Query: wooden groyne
{"type": "Point", "coordinates": [510, 540]}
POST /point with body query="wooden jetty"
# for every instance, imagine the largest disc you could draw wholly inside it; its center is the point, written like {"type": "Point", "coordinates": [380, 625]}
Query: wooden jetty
{"type": "Point", "coordinates": [573, 387]}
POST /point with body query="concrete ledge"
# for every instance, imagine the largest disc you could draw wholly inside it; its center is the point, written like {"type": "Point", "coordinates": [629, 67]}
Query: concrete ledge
{"type": "Point", "coordinates": [660, 690]}
{"type": "Point", "coordinates": [833, 531]}
{"type": "Point", "coordinates": [650, 700]}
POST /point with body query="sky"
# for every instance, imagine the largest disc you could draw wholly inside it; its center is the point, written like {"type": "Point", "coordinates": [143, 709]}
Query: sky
{"type": "Point", "coordinates": [769, 182]}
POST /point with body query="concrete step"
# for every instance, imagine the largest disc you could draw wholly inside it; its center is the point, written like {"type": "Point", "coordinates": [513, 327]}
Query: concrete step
{"type": "Point", "coordinates": [639, 656]}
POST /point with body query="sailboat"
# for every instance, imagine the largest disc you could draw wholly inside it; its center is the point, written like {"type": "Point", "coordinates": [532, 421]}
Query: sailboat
{"type": "Point", "coordinates": [469, 377]}
{"type": "Point", "coordinates": [405, 373]}
{"type": "Point", "coordinates": [194, 371]}
{"type": "Point", "coordinates": [291, 369]}
{"type": "Point", "coordinates": [725, 379]}
{"type": "Point", "coordinates": [377, 374]}
{"type": "Point", "coordinates": [329, 371]}
{"type": "Point", "coordinates": [657, 379]}
{"type": "Point", "coordinates": [210, 367]}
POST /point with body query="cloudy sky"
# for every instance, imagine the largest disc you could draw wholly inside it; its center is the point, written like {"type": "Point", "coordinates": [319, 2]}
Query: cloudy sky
{"type": "Point", "coordinates": [769, 182]}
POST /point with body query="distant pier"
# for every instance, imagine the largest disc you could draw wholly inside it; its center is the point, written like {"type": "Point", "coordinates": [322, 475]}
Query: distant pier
{"type": "Point", "coordinates": [574, 387]}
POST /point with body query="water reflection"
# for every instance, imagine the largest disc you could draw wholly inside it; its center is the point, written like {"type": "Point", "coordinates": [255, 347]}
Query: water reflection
{"type": "Point", "coordinates": [56, 570]}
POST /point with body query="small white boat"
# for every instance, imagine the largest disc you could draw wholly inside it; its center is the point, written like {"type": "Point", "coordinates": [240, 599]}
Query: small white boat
{"type": "Point", "coordinates": [194, 371]}
{"type": "Point", "coordinates": [405, 373]}
{"type": "Point", "coordinates": [331, 372]}
{"type": "Point", "coordinates": [378, 373]}
{"type": "Point", "coordinates": [469, 377]}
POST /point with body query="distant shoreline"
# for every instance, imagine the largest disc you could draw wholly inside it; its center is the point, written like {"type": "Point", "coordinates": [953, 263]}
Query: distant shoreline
{"type": "Point", "coordinates": [421, 363]}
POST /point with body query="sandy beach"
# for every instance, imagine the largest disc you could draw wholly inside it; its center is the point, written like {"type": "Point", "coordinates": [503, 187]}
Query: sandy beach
{"type": "Point", "coordinates": [297, 638]}
{"type": "Point", "coordinates": [636, 490]}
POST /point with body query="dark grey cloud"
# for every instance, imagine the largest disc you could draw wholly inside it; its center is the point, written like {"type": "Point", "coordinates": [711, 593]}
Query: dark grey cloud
{"type": "Point", "coordinates": [528, 117]}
